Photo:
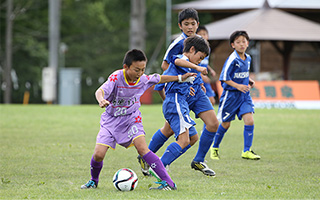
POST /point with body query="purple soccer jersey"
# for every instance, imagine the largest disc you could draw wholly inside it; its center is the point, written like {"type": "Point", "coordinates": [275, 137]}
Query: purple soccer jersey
{"type": "Point", "coordinates": [121, 121]}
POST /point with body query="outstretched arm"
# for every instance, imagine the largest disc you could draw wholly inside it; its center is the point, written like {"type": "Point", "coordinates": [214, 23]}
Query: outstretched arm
{"type": "Point", "coordinates": [185, 63]}
{"type": "Point", "coordinates": [167, 78]}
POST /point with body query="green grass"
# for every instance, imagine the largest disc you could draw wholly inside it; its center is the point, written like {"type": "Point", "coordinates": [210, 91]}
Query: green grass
{"type": "Point", "coordinates": [45, 153]}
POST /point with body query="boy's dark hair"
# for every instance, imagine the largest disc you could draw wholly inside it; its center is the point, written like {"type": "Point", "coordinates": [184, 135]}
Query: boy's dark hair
{"type": "Point", "coordinates": [134, 55]}
{"type": "Point", "coordinates": [236, 34]}
{"type": "Point", "coordinates": [188, 13]}
{"type": "Point", "coordinates": [198, 43]}
{"type": "Point", "coordinates": [200, 28]}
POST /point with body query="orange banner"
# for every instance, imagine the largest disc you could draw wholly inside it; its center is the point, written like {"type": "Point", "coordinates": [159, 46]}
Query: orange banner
{"type": "Point", "coordinates": [283, 90]}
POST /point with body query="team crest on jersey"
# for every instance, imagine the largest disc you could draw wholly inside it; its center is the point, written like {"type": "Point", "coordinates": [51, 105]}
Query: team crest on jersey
{"type": "Point", "coordinates": [148, 77]}
{"type": "Point", "coordinates": [113, 77]}
{"type": "Point", "coordinates": [138, 119]}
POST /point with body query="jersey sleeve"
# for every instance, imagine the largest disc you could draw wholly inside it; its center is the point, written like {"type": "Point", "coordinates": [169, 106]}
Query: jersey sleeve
{"type": "Point", "coordinates": [108, 86]}
{"type": "Point", "coordinates": [151, 80]}
{"type": "Point", "coordinates": [172, 52]}
{"type": "Point", "coordinates": [227, 70]}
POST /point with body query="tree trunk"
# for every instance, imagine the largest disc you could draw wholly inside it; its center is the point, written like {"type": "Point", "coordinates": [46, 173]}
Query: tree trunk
{"type": "Point", "coordinates": [8, 60]}
{"type": "Point", "coordinates": [137, 25]}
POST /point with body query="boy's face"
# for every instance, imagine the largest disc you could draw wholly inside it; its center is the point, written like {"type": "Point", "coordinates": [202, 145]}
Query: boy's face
{"type": "Point", "coordinates": [196, 58]}
{"type": "Point", "coordinates": [135, 70]}
{"type": "Point", "coordinates": [189, 26]}
{"type": "Point", "coordinates": [204, 34]}
{"type": "Point", "coordinates": [240, 44]}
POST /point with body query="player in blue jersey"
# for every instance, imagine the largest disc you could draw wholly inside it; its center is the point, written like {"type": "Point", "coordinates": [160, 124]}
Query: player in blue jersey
{"type": "Point", "coordinates": [235, 98]}
{"type": "Point", "coordinates": [178, 102]}
{"type": "Point", "coordinates": [203, 32]}
{"type": "Point", "coordinates": [188, 23]}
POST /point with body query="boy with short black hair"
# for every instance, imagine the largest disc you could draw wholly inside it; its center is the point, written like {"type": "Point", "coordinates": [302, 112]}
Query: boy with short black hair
{"type": "Point", "coordinates": [188, 23]}
{"type": "Point", "coordinates": [235, 98]}
{"type": "Point", "coordinates": [121, 122]}
{"type": "Point", "coordinates": [176, 108]}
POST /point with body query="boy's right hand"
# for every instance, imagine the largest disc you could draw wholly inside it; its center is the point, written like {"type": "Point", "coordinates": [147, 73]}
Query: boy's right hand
{"type": "Point", "coordinates": [203, 70]}
{"type": "Point", "coordinates": [103, 103]}
{"type": "Point", "coordinates": [243, 88]}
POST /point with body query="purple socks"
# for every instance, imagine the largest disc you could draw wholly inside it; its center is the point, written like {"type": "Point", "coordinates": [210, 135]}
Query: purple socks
{"type": "Point", "coordinates": [95, 169]}
{"type": "Point", "coordinates": [158, 167]}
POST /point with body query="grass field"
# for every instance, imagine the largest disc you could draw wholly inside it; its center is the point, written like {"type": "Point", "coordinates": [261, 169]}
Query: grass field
{"type": "Point", "coordinates": [45, 153]}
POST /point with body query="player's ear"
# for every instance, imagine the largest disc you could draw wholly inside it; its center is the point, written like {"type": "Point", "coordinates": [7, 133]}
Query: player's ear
{"type": "Point", "coordinates": [192, 49]}
{"type": "Point", "coordinates": [232, 45]}
{"type": "Point", "coordinates": [125, 66]}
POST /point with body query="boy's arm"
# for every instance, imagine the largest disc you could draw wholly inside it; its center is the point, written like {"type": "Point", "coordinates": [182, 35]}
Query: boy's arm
{"type": "Point", "coordinates": [164, 65]}
{"type": "Point", "coordinates": [212, 72]}
{"type": "Point", "coordinates": [162, 94]}
{"type": "Point", "coordinates": [167, 78]}
{"type": "Point", "coordinates": [100, 98]}
{"type": "Point", "coordinates": [205, 78]}
{"type": "Point", "coordinates": [251, 82]}
{"type": "Point", "coordinates": [185, 63]}
{"type": "Point", "coordinates": [240, 87]}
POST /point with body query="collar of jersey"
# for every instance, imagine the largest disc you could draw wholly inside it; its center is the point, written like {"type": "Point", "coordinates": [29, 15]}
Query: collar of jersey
{"type": "Point", "coordinates": [239, 56]}
{"type": "Point", "coordinates": [125, 78]}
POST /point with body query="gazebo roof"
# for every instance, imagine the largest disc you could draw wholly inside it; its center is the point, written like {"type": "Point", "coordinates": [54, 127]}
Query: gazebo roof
{"type": "Point", "coordinates": [266, 24]}
{"type": "Point", "coordinates": [234, 5]}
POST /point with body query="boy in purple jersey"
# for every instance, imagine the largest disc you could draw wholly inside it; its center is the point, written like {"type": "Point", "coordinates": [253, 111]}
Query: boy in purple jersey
{"type": "Point", "coordinates": [235, 98]}
{"type": "Point", "coordinates": [121, 122]}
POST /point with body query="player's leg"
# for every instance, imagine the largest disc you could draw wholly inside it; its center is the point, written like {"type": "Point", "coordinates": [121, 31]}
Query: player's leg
{"type": "Point", "coordinates": [248, 137]}
{"type": "Point", "coordinates": [96, 164]}
{"type": "Point", "coordinates": [156, 142]}
{"type": "Point", "coordinates": [206, 138]}
{"type": "Point", "coordinates": [174, 150]}
{"type": "Point", "coordinates": [228, 107]}
{"type": "Point", "coordinates": [160, 137]}
{"type": "Point", "coordinates": [155, 163]}
{"type": "Point", "coordinates": [222, 129]}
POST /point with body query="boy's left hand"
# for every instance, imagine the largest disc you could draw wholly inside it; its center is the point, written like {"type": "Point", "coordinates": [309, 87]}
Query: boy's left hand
{"type": "Point", "coordinates": [251, 83]}
{"type": "Point", "coordinates": [203, 88]}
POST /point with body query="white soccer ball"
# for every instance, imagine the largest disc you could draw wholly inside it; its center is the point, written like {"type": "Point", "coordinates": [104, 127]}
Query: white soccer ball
{"type": "Point", "coordinates": [125, 179]}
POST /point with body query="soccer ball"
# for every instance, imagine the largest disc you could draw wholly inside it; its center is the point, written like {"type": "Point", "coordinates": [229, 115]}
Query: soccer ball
{"type": "Point", "coordinates": [125, 179]}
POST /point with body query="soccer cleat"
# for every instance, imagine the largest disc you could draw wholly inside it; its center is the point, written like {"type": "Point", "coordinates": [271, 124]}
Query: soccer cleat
{"type": "Point", "coordinates": [250, 155]}
{"type": "Point", "coordinates": [89, 185]}
{"type": "Point", "coordinates": [214, 153]}
{"type": "Point", "coordinates": [163, 186]}
{"type": "Point", "coordinates": [144, 166]}
{"type": "Point", "coordinates": [201, 166]}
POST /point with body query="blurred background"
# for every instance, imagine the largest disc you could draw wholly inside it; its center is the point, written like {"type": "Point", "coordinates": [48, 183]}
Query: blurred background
{"type": "Point", "coordinates": [61, 51]}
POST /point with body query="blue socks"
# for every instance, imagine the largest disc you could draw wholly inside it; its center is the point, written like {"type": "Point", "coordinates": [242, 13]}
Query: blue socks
{"type": "Point", "coordinates": [219, 136]}
{"type": "Point", "coordinates": [248, 137]}
{"type": "Point", "coordinates": [206, 139]}
{"type": "Point", "coordinates": [172, 152]}
{"type": "Point", "coordinates": [157, 140]}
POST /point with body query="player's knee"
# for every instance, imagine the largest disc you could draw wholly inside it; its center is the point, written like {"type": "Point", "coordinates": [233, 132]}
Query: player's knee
{"type": "Point", "coordinates": [98, 156]}
{"type": "Point", "coordinates": [213, 125]}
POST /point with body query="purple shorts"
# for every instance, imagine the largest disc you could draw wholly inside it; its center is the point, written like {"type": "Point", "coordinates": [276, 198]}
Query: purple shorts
{"type": "Point", "coordinates": [120, 130]}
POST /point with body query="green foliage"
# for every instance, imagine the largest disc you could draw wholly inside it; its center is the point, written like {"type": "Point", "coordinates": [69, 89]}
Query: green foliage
{"type": "Point", "coordinates": [46, 150]}
{"type": "Point", "coordinates": [96, 33]}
